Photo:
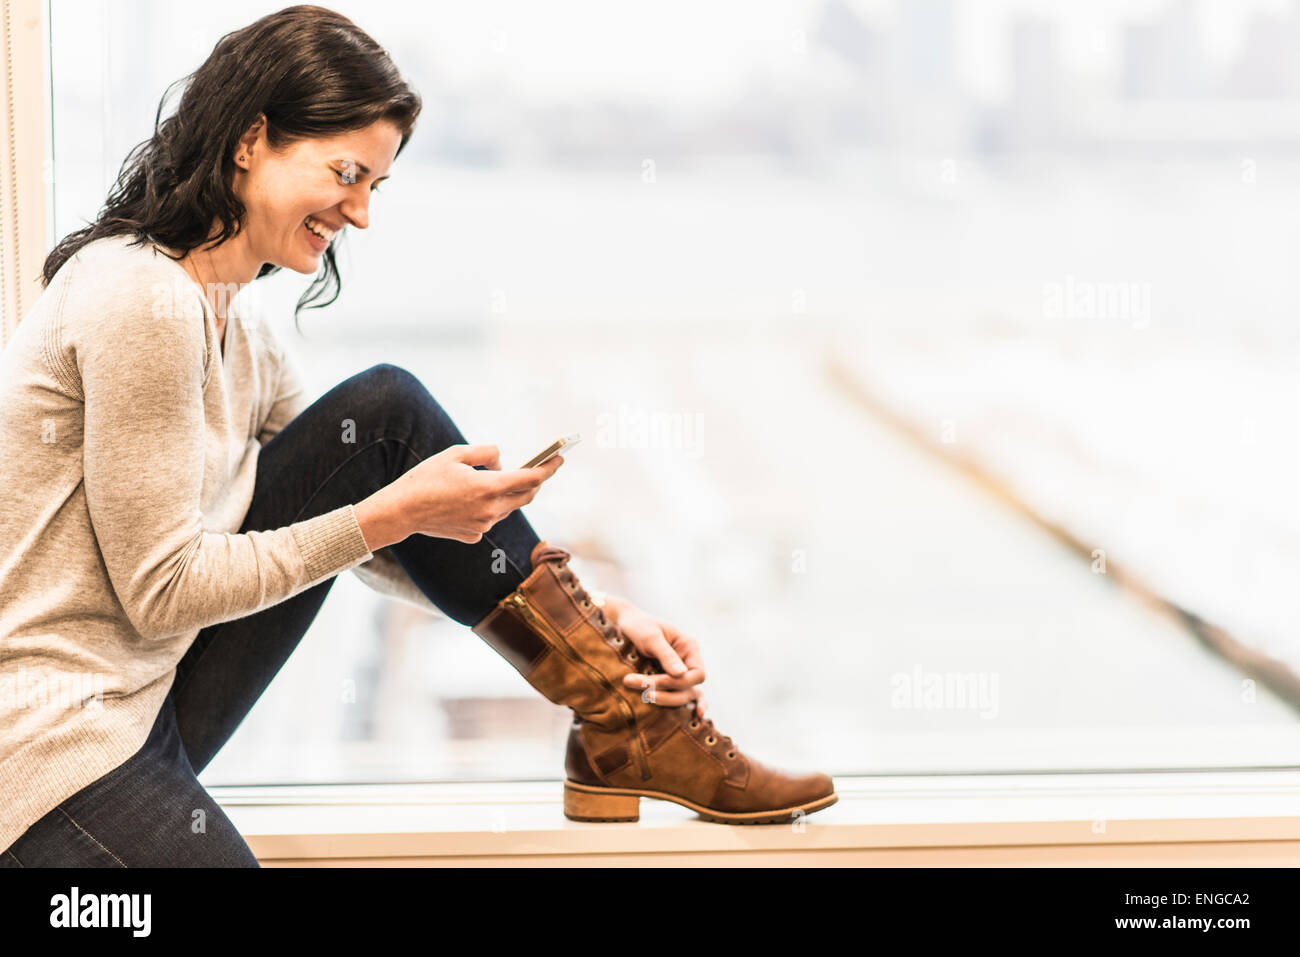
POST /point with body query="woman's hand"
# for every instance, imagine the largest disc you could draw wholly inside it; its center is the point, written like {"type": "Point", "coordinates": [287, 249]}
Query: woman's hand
{"type": "Point", "coordinates": [444, 496]}
{"type": "Point", "coordinates": [678, 653]}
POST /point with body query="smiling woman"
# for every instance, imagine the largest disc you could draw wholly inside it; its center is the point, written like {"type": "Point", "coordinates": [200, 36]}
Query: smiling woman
{"type": "Point", "coordinates": [272, 129]}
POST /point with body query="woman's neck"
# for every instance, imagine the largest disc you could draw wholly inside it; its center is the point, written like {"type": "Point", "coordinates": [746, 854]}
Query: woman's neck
{"type": "Point", "coordinates": [221, 272]}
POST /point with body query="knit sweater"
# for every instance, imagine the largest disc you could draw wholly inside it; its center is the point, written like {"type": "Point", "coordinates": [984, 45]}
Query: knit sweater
{"type": "Point", "coordinates": [129, 438]}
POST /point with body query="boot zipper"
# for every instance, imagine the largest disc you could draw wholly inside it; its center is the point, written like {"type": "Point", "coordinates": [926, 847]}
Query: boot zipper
{"type": "Point", "coordinates": [521, 607]}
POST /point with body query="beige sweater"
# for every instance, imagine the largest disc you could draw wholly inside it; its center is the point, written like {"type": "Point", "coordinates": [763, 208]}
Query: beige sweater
{"type": "Point", "coordinates": [129, 436]}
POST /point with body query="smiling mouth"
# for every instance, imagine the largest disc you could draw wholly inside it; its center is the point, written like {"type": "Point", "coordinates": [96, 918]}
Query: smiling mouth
{"type": "Point", "coordinates": [322, 233]}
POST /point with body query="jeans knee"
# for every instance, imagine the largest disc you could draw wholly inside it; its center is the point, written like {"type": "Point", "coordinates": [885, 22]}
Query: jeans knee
{"type": "Point", "coordinates": [388, 388]}
{"type": "Point", "coordinates": [399, 398]}
{"type": "Point", "coordinates": [388, 380]}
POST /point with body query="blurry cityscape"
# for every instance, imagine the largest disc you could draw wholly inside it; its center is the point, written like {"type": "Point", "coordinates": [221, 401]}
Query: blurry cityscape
{"type": "Point", "coordinates": [1055, 237]}
{"type": "Point", "coordinates": [874, 83]}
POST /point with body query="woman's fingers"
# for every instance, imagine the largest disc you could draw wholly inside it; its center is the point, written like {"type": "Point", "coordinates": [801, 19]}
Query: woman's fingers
{"type": "Point", "coordinates": [518, 490]}
{"type": "Point", "coordinates": [669, 699]}
{"type": "Point", "coordinates": [514, 495]}
{"type": "Point", "coordinates": [684, 682]}
{"type": "Point", "coordinates": [657, 646]}
{"type": "Point", "coordinates": [677, 653]}
{"type": "Point", "coordinates": [528, 481]}
{"type": "Point", "coordinates": [687, 648]}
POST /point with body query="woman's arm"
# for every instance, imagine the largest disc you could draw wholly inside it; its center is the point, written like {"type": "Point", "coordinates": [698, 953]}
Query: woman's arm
{"type": "Point", "coordinates": [143, 371]}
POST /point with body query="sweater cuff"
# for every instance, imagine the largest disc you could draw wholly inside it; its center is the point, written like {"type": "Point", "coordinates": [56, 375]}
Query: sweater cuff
{"type": "Point", "coordinates": [331, 543]}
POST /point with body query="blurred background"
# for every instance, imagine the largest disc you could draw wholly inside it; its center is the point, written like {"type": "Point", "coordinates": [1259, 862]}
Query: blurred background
{"type": "Point", "coordinates": [934, 362]}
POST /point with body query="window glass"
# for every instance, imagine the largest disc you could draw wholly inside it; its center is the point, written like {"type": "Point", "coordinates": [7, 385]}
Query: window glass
{"type": "Point", "coordinates": [934, 363]}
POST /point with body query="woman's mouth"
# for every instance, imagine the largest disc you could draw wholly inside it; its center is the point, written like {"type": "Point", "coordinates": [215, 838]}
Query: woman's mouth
{"type": "Point", "coordinates": [318, 234]}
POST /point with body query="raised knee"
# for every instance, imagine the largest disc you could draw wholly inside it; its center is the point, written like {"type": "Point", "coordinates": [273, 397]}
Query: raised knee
{"type": "Point", "coordinates": [398, 396]}
{"type": "Point", "coordinates": [388, 380]}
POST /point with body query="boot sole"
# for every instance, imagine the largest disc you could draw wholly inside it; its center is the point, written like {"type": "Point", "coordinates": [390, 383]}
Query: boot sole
{"type": "Point", "coordinates": [582, 802]}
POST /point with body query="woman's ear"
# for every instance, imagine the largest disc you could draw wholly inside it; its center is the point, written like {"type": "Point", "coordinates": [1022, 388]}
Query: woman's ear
{"type": "Point", "coordinates": [248, 141]}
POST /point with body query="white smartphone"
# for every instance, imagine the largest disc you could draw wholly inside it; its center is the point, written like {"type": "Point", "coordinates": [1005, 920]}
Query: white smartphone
{"type": "Point", "coordinates": [552, 450]}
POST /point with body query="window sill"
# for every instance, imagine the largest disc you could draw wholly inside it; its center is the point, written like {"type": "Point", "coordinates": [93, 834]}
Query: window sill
{"type": "Point", "coordinates": [1237, 818]}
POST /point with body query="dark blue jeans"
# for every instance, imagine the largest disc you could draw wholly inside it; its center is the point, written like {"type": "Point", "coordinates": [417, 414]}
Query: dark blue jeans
{"type": "Point", "coordinates": [143, 813]}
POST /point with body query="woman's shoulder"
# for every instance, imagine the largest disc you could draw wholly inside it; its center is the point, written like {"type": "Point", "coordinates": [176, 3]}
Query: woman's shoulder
{"type": "Point", "coordinates": [110, 257]}
{"type": "Point", "coordinates": [122, 289]}
{"type": "Point", "coordinates": [114, 276]}
{"type": "Point", "coordinates": [124, 275]}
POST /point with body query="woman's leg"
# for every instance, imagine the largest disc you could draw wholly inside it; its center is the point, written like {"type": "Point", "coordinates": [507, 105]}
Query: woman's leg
{"type": "Point", "coordinates": [355, 439]}
{"type": "Point", "coordinates": [150, 811]}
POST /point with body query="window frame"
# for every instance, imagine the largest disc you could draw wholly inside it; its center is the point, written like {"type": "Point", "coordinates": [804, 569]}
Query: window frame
{"type": "Point", "coordinates": [25, 179]}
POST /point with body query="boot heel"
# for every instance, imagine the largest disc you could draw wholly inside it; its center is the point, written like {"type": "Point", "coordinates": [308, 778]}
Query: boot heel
{"type": "Point", "coordinates": [595, 806]}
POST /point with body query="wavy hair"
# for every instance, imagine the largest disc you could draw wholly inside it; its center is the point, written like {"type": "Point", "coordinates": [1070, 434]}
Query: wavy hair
{"type": "Point", "coordinates": [310, 71]}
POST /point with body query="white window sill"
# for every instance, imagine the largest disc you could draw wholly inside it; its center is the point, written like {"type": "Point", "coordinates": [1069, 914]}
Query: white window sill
{"type": "Point", "coordinates": [1238, 818]}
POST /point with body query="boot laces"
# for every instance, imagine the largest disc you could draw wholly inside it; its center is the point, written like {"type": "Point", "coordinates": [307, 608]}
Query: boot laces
{"type": "Point", "coordinates": [608, 628]}
{"type": "Point", "coordinates": [712, 728]}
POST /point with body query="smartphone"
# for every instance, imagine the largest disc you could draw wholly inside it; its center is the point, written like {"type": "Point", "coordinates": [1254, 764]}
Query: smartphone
{"type": "Point", "coordinates": [552, 450]}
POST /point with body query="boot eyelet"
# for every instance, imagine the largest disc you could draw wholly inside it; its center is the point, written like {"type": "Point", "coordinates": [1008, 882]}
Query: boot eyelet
{"type": "Point", "coordinates": [632, 654]}
{"type": "Point", "coordinates": [618, 642]}
{"type": "Point", "coordinates": [731, 754]}
{"type": "Point", "coordinates": [695, 724]}
{"type": "Point", "coordinates": [710, 740]}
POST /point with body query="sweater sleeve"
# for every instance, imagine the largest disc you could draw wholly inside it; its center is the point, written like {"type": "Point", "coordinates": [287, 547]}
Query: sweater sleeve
{"type": "Point", "coordinates": [142, 372]}
{"type": "Point", "coordinates": [381, 573]}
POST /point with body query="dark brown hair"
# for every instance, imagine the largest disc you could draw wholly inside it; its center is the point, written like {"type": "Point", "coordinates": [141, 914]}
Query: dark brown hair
{"type": "Point", "coordinates": [311, 71]}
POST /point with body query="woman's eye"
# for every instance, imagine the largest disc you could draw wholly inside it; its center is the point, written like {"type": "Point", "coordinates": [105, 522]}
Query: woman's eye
{"type": "Point", "coordinates": [343, 179]}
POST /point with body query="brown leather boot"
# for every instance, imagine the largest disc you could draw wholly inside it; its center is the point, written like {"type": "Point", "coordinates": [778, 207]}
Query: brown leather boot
{"type": "Point", "coordinates": [622, 748]}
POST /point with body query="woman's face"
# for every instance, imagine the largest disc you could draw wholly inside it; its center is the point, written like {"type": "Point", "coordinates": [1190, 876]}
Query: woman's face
{"type": "Point", "coordinates": [322, 183]}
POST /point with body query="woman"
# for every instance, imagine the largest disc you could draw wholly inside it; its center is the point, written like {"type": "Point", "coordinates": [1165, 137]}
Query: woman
{"type": "Point", "coordinates": [181, 510]}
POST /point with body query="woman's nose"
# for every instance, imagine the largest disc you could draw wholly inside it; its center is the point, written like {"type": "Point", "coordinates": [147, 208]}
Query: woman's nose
{"type": "Point", "coordinates": [357, 211]}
